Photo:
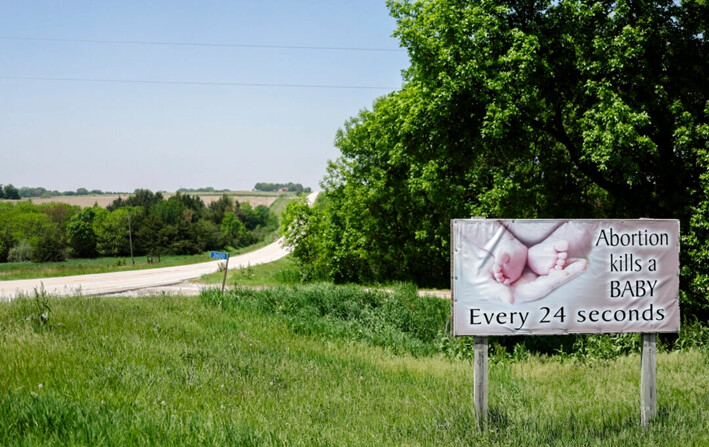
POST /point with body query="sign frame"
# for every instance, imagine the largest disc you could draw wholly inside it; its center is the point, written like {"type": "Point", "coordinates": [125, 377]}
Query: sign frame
{"type": "Point", "coordinates": [634, 278]}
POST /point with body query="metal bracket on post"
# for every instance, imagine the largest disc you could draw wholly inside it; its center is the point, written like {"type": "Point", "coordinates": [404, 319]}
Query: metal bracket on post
{"type": "Point", "coordinates": [648, 379]}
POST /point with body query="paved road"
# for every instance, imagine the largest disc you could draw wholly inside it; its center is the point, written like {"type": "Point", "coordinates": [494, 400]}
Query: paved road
{"type": "Point", "coordinates": [112, 283]}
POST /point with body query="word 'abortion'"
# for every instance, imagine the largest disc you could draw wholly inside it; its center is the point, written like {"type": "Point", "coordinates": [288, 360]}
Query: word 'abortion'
{"type": "Point", "coordinates": [643, 238]}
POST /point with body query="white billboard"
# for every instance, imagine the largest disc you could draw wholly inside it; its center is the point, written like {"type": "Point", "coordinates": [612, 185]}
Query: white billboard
{"type": "Point", "coordinates": [517, 277]}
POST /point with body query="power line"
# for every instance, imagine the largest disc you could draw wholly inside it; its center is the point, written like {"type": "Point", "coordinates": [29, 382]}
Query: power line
{"type": "Point", "coordinates": [228, 84]}
{"type": "Point", "coordinates": [197, 44]}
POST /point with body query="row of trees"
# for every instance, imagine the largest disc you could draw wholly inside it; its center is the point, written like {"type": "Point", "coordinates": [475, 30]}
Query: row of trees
{"type": "Point", "coordinates": [291, 187]}
{"type": "Point", "coordinates": [9, 192]}
{"type": "Point", "coordinates": [520, 109]}
{"type": "Point", "coordinates": [205, 189]}
{"type": "Point", "coordinates": [13, 193]}
{"type": "Point", "coordinates": [181, 224]}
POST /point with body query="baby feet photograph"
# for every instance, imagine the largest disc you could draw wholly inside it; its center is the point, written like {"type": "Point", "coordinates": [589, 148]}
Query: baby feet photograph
{"type": "Point", "coordinates": [524, 263]}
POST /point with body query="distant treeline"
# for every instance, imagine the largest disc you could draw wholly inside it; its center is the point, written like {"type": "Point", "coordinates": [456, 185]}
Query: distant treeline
{"type": "Point", "coordinates": [207, 189]}
{"type": "Point", "coordinates": [9, 192]}
{"type": "Point", "coordinates": [13, 193]}
{"type": "Point", "coordinates": [291, 187]}
{"type": "Point", "coordinates": [182, 224]}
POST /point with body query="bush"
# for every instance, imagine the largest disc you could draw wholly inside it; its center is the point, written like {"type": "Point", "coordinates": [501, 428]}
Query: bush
{"type": "Point", "coordinates": [50, 247]}
{"type": "Point", "coordinates": [4, 249]}
{"type": "Point", "coordinates": [22, 252]}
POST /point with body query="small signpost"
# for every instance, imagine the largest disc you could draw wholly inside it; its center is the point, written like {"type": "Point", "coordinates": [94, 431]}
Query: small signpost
{"type": "Point", "coordinates": [525, 277]}
{"type": "Point", "coordinates": [225, 256]}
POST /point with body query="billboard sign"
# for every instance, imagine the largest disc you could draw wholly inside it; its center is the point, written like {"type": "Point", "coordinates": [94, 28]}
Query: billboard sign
{"type": "Point", "coordinates": [517, 277]}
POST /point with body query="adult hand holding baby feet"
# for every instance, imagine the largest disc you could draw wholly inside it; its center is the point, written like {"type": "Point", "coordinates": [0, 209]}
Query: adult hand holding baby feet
{"type": "Point", "coordinates": [530, 287]}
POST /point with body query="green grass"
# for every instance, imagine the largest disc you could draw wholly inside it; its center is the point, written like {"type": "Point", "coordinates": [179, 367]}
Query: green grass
{"type": "Point", "coordinates": [308, 366]}
{"type": "Point", "coordinates": [280, 272]}
{"type": "Point", "coordinates": [280, 203]}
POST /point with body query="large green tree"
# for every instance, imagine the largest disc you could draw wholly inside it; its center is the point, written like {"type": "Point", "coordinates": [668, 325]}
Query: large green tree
{"type": "Point", "coordinates": [525, 109]}
{"type": "Point", "coordinates": [81, 233]}
{"type": "Point", "coordinates": [11, 193]}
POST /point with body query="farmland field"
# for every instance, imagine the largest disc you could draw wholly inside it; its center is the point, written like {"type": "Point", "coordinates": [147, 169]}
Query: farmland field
{"type": "Point", "coordinates": [103, 200]}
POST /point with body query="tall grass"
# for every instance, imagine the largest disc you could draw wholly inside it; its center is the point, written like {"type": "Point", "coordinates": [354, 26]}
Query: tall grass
{"type": "Point", "coordinates": [286, 367]}
{"type": "Point", "coordinates": [400, 320]}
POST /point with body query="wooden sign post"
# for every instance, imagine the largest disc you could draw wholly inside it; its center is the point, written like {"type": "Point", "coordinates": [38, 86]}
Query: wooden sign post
{"type": "Point", "coordinates": [648, 379]}
{"type": "Point", "coordinates": [480, 381]}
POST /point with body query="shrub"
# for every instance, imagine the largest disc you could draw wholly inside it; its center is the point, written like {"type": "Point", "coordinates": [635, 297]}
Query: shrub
{"type": "Point", "coordinates": [22, 252]}
{"type": "Point", "coordinates": [50, 247]}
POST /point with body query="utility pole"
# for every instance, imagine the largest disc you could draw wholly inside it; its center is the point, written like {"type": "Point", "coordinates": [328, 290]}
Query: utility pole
{"type": "Point", "coordinates": [130, 239]}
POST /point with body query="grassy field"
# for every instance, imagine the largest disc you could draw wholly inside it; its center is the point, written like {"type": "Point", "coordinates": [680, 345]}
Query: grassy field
{"type": "Point", "coordinates": [281, 272]}
{"type": "Point", "coordinates": [311, 366]}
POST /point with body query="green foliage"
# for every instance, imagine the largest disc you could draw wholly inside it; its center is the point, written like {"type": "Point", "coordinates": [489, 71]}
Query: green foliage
{"type": "Point", "coordinates": [234, 230]}
{"type": "Point", "coordinates": [11, 193]}
{"type": "Point", "coordinates": [50, 246]}
{"type": "Point", "coordinates": [205, 189]}
{"type": "Point", "coordinates": [140, 197]}
{"type": "Point", "coordinates": [179, 225]}
{"type": "Point", "coordinates": [289, 187]}
{"type": "Point", "coordinates": [81, 234]}
{"type": "Point", "coordinates": [20, 252]}
{"type": "Point", "coordinates": [302, 229]}
{"type": "Point", "coordinates": [111, 230]}
{"type": "Point", "coordinates": [399, 321]}
{"type": "Point", "coordinates": [4, 250]}
{"type": "Point", "coordinates": [692, 335]}
{"type": "Point", "coordinates": [542, 109]}
{"type": "Point", "coordinates": [218, 208]}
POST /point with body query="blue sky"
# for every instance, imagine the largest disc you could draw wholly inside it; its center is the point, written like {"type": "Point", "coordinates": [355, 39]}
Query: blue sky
{"type": "Point", "coordinates": [119, 136]}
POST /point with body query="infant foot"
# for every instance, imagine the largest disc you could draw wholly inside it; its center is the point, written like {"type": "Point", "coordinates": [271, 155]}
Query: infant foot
{"type": "Point", "coordinates": [509, 262]}
{"type": "Point", "coordinates": [498, 270]}
{"type": "Point", "coordinates": [546, 257]}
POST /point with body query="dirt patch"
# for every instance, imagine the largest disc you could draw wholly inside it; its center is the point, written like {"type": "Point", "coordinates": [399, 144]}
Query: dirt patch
{"type": "Point", "coordinates": [82, 201]}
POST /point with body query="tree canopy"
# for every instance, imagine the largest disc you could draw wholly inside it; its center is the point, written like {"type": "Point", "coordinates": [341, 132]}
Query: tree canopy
{"type": "Point", "coordinates": [290, 187]}
{"type": "Point", "coordinates": [181, 224]}
{"type": "Point", "coordinates": [523, 109]}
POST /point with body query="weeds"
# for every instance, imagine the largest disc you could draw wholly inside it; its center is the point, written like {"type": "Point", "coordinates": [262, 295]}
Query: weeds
{"type": "Point", "coordinates": [42, 306]}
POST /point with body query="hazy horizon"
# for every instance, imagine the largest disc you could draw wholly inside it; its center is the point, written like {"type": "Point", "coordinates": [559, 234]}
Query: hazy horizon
{"type": "Point", "coordinates": [130, 95]}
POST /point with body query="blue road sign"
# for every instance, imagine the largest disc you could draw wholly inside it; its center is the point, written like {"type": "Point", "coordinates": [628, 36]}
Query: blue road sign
{"type": "Point", "coordinates": [218, 255]}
